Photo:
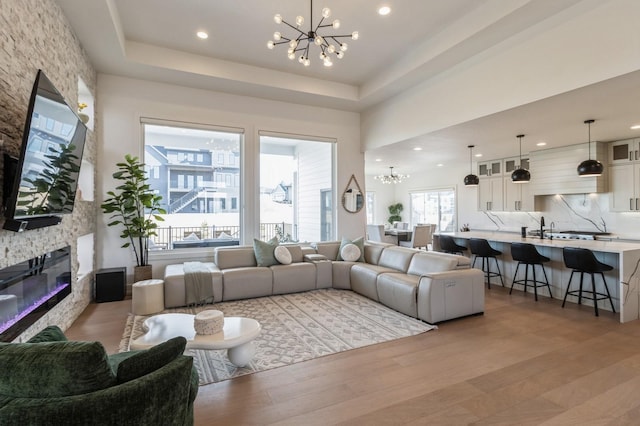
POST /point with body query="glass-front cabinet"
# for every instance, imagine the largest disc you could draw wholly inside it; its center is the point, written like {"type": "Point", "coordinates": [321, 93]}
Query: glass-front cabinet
{"type": "Point", "coordinates": [511, 164]}
{"type": "Point", "coordinates": [490, 168]}
{"type": "Point", "coordinates": [624, 151]}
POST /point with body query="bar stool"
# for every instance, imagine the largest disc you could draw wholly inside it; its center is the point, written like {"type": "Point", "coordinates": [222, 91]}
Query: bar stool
{"type": "Point", "coordinates": [525, 253]}
{"type": "Point", "coordinates": [480, 248]}
{"type": "Point", "coordinates": [583, 261]}
{"type": "Point", "coordinates": [448, 245]}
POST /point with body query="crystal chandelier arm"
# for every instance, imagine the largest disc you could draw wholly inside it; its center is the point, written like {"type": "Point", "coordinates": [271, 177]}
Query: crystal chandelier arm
{"type": "Point", "coordinates": [339, 36]}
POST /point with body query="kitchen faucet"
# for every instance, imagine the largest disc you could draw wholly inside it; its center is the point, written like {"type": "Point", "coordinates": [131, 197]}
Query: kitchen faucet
{"type": "Point", "coordinates": [542, 227]}
{"type": "Point", "coordinates": [552, 225]}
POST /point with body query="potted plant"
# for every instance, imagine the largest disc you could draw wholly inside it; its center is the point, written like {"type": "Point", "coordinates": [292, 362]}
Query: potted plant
{"type": "Point", "coordinates": [394, 212]}
{"type": "Point", "coordinates": [134, 205]}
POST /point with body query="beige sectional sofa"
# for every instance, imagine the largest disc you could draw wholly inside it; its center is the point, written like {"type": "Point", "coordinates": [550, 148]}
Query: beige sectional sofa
{"type": "Point", "coordinates": [431, 286]}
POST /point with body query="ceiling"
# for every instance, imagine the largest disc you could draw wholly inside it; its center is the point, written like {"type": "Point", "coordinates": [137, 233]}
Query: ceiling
{"type": "Point", "coordinates": [418, 40]}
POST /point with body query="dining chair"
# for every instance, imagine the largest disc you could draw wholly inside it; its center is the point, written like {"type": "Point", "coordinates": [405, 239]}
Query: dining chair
{"type": "Point", "coordinates": [420, 237]}
{"type": "Point", "coordinates": [376, 233]}
{"type": "Point", "coordinates": [404, 226]}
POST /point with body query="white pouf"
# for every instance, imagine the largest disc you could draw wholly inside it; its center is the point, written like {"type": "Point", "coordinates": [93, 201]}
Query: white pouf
{"type": "Point", "coordinates": [208, 322]}
{"type": "Point", "coordinates": [147, 297]}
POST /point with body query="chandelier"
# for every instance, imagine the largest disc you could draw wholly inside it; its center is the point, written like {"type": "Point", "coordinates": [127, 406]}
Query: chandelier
{"type": "Point", "coordinates": [329, 44]}
{"type": "Point", "coordinates": [391, 177]}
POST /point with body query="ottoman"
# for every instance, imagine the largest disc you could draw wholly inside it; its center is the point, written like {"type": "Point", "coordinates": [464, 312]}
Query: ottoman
{"type": "Point", "coordinates": [147, 297]}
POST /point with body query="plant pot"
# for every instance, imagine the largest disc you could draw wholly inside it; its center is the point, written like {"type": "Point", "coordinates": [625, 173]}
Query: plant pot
{"type": "Point", "coordinates": [84, 117]}
{"type": "Point", "coordinates": [141, 273]}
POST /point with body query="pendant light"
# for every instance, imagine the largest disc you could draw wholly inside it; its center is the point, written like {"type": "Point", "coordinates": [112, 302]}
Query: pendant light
{"type": "Point", "coordinates": [471, 179]}
{"type": "Point", "coordinates": [520, 175]}
{"type": "Point", "coordinates": [589, 168]}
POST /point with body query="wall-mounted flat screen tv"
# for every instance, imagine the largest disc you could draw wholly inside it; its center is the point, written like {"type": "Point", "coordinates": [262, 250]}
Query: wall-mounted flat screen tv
{"type": "Point", "coordinates": [46, 176]}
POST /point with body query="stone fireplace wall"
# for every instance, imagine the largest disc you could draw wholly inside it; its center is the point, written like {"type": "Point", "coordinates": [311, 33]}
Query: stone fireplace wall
{"type": "Point", "coordinates": [35, 34]}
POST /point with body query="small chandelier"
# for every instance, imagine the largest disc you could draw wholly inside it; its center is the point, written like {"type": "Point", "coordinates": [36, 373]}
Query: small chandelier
{"type": "Point", "coordinates": [391, 177]}
{"type": "Point", "coordinates": [589, 168]}
{"type": "Point", "coordinates": [329, 44]}
{"type": "Point", "coordinates": [520, 175]}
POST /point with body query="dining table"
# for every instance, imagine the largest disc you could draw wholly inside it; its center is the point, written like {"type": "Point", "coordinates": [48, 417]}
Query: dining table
{"type": "Point", "coordinates": [400, 234]}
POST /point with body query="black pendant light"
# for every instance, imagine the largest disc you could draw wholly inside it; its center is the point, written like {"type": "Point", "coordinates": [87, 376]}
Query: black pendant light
{"type": "Point", "coordinates": [589, 168]}
{"type": "Point", "coordinates": [520, 175]}
{"type": "Point", "coordinates": [471, 179]}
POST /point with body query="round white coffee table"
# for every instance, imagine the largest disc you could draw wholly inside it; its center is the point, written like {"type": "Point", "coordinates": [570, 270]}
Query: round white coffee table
{"type": "Point", "coordinates": [236, 336]}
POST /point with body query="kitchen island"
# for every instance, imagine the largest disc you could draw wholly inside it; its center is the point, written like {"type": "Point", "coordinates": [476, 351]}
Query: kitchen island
{"type": "Point", "coordinates": [623, 281]}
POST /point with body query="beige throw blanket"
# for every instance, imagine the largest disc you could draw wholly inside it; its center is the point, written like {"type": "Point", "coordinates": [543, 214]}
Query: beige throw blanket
{"type": "Point", "coordinates": [198, 283]}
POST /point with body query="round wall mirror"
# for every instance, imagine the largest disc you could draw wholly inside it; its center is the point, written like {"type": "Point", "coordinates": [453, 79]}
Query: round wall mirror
{"type": "Point", "coordinates": [352, 197]}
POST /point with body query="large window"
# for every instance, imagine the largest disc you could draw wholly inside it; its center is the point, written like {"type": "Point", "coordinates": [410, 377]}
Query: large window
{"type": "Point", "coordinates": [371, 206]}
{"type": "Point", "coordinates": [197, 171]}
{"type": "Point", "coordinates": [296, 188]}
{"type": "Point", "coordinates": [435, 206]}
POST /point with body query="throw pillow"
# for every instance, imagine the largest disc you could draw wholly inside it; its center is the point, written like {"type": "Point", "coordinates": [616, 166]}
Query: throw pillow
{"type": "Point", "coordinates": [144, 362]}
{"type": "Point", "coordinates": [359, 242]}
{"type": "Point", "coordinates": [283, 255]}
{"type": "Point", "coordinates": [51, 333]}
{"type": "Point", "coordinates": [191, 237]}
{"type": "Point", "coordinates": [264, 252]}
{"type": "Point", "coordinates": [350, 253]}
{"type": "Point", "coordinates": [53, 369]}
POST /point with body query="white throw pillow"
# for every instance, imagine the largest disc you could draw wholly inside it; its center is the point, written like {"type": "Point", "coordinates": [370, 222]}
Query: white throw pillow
{"type": "Point", "coordinates": [191, 237]}
{"type": "Point", "coordinates": [282, 255]}
{"type": "Point", "coordinates": [350, 253]}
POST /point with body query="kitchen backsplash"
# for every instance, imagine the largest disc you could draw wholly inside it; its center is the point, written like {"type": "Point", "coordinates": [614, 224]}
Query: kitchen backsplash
{"type": "Point", "coordinates": [581, 212]}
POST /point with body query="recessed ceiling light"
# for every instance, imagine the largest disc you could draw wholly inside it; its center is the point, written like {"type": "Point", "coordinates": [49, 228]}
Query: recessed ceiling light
{"type": "Point", "coordinates": [203, 35]}
{"type": "Point", "coordinates": [541, 144]}
{"type": "Point", "coordinates": [417, 148]}
{"type": "Point", "coordinates": [635, 127]}
{"type": "Point", "coordinates": [478, 155]}
{"type": "Point", "coordinates": [378, 159]}
{"type": "Point", "coordinates": [384, 10]}
{"type": "Point", "coordinates": [439, 165]}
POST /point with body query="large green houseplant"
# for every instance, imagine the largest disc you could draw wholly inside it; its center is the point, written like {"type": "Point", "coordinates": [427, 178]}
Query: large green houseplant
{"type": "Point", "coordinates": [394, 212]}
{"type": "Point", "coordinates": [134, 206]}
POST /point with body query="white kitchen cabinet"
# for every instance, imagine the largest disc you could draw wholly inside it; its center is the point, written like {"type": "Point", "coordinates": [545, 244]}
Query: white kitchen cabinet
{"type": "Point", "coordinates": [510, 164]}
{"type": "Point", "coordinates": [490, 197]}
{"type": "Point", "coordinates": [625, 187]}
{"type": "Point", "coordinates": [518, 196]}
{"type": "Point", "coordinates": [624, 151]}
{"type": "Point", "coordinates": [490, 168]}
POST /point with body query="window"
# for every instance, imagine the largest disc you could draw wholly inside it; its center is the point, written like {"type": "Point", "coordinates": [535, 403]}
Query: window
{"type": "Point", "coordinates": [296, 188]}
{"type": "Point", "coordinates": [195, 200]}
{"type": "Point", "coordinates": [370, 206]}
{"type": "Point", "coordinates": [435, 206]}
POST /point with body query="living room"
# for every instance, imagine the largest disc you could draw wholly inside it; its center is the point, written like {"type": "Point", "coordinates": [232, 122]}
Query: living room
{"type": "Point", "coordinates": [39, 35]}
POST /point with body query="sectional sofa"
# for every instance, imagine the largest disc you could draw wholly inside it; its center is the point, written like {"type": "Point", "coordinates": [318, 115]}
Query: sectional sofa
{"type": "Point", "coordinates": [431, 286]}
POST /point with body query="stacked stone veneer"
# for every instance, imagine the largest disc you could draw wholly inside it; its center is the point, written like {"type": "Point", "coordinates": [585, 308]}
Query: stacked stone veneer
{"type": "Point", "coordinates": [35, 34]}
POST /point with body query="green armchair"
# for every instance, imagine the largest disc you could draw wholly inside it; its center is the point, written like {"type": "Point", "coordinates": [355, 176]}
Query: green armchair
{"type": "Point", "coordinates": [52, 381]}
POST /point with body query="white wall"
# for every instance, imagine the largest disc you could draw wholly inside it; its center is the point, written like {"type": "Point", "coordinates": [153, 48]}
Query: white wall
{"type": "Point", "coordinates": [123, 101]}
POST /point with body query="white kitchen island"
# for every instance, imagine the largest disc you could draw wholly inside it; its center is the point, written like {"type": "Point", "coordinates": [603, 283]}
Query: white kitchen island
{"type": "Point", "coordinates": [623, 281]}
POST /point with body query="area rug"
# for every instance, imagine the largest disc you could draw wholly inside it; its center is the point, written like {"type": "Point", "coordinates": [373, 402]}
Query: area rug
{"type": "Point", "coordinates": [295, 328]}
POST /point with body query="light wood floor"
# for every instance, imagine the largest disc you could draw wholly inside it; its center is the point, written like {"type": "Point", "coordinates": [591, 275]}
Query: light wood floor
{"type": "Point", "coordinates": [521, 363]}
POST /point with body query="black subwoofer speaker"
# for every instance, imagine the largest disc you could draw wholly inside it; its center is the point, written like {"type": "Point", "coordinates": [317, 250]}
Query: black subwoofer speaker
{"type": "Point", "coordinates": [111, 284]}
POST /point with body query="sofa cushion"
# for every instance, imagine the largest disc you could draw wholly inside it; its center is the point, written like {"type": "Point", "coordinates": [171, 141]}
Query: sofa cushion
{"type": "Point", "coordinates": [141, 363]}
{"type": "Point", "coordinates": [358, 242]}
{"type": "Point", "coordinates": [293, 278]}
{"type": "Point", "coordinates": [397, 258]}
{"type": "Point", "coordinates": [364, 277]}
{"type": "Point", "coordinates": [264, 252]}
{"type": "Point", "coordinates": [328, 249]}
{"type": "Point", "coordinates": [297, 255]}
{"type": "Point", "coordinates": [234, 257]}
{"type": "Point", "coordinates": [424, 263]}
{"type": "Point", "coordinates": [282, 255]}
{"type": "Point", "coordinates": [53, 369]}
{"type": "Point", "coordinates": [399, 292]}
{"type": "Point", "coordinates": [373, 251]}
{"type": "Point", "coordinates": [52, 333]}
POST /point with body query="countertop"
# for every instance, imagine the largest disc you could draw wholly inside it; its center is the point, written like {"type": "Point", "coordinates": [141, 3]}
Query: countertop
{"type": "Point", "coordinates": [512, 237]}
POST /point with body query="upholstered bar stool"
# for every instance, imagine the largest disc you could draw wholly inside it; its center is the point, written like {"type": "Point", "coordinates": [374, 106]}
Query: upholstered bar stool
{"type": "Point", "coordinates": [584, 261]}
{"type": "Point", "coordinates": [527, 255]}
{"type": "Point", "coordinates": [480, 248]}
{"type": "Point", "coordinates": [448, 245]}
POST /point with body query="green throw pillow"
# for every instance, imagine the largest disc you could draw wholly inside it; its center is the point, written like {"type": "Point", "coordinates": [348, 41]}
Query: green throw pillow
{"type": "Point", "coordinates": [358, 242]}
{"type": "Point", "coordinates": [264, 251]}
{"type": "Point", "coordinates": [52, 333]}
{"type": "Point", "coordinates": [53, 369]}
{"type": "Point", "coordinates": [142, 363]}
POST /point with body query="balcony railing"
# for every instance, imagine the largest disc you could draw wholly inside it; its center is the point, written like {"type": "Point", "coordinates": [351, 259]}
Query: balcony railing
{"type": "Point", "coordinates": [174, 237]}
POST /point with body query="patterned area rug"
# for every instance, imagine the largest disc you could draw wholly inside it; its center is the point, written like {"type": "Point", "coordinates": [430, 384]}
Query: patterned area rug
{"type": "Point", "coordinates": [295, 328]}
